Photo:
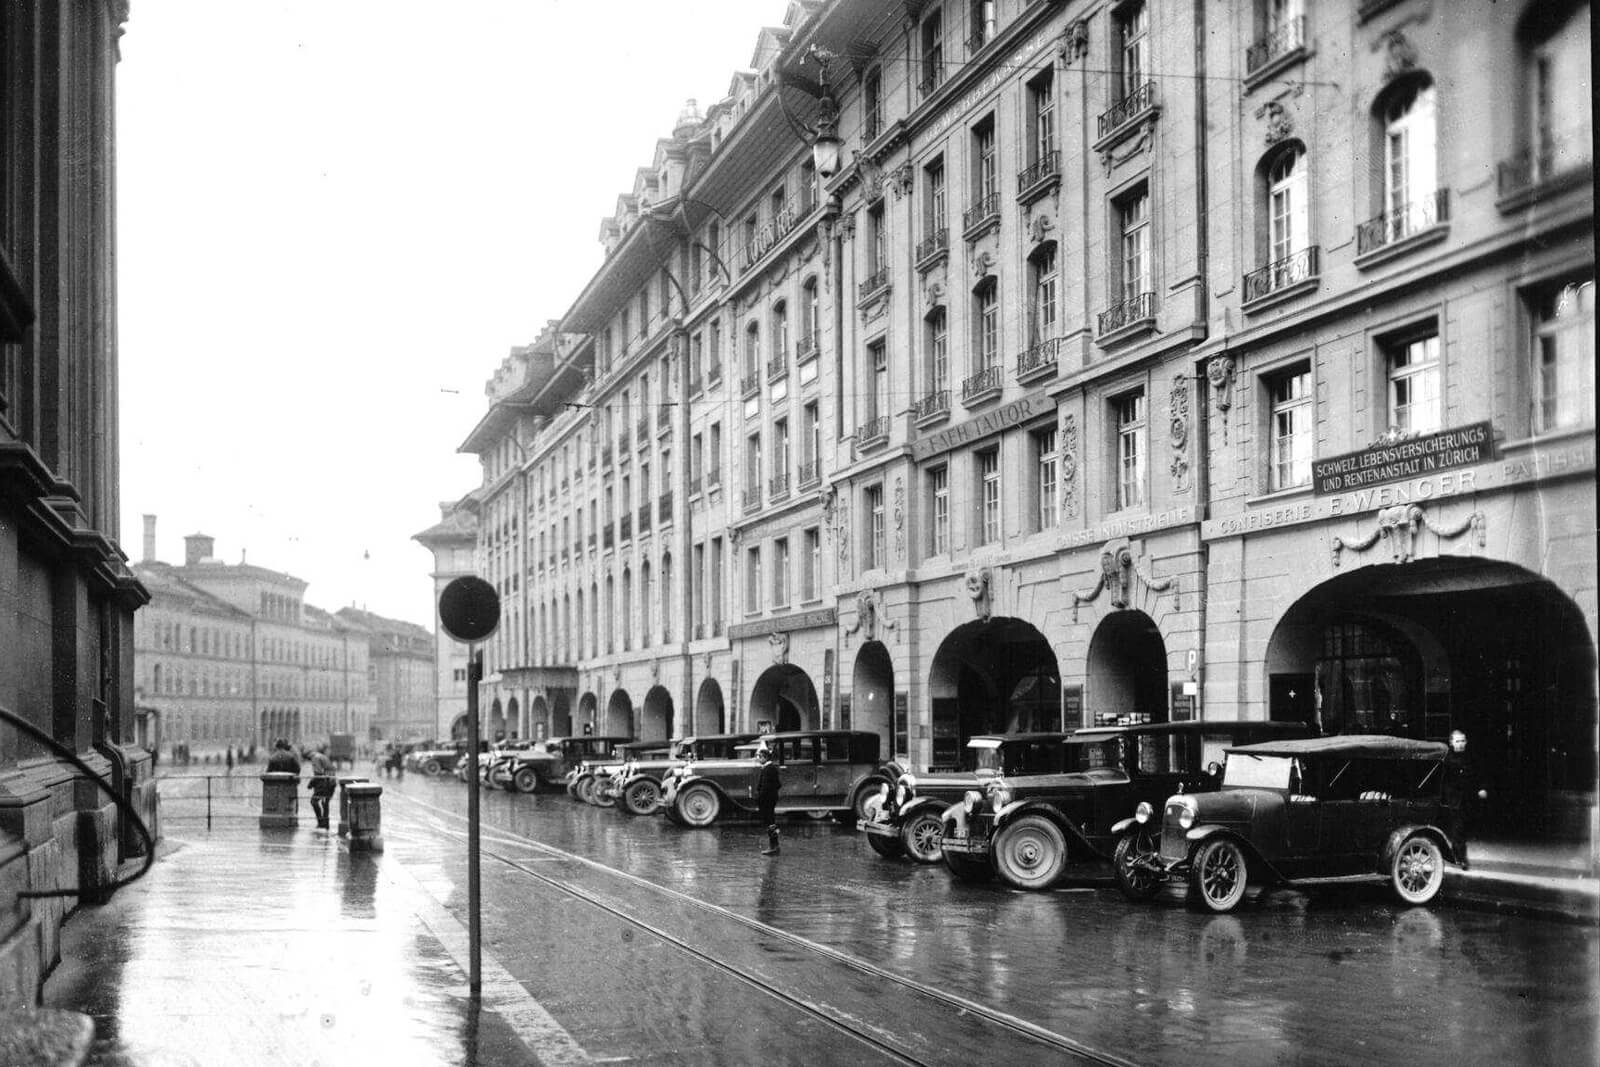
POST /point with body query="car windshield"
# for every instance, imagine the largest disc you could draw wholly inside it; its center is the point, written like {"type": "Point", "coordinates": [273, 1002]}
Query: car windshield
{"type": "Point", "coordinates": [683, 750]}
{"type": "Point", "coordinates": [1258, 772]}
{"type": "Point", "coordinates": [1030, 757]}
{"type": "Point", "coordinates": [1106, 754]}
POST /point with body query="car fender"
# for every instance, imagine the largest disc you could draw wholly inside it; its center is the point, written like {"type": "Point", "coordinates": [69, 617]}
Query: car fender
{"type": "Point", "coordinates": [1122, 826]}
{"type": "Point", "coordinates": [727, 797]}
{"type": "Point", "coordinates": [922, 803]}
{"type": "Point", "coordinates": [1263, 869]}
{"type": "Point", "coordinates": [1018, 808]}
{"type": "Point", "coordinates": [1453, 854]}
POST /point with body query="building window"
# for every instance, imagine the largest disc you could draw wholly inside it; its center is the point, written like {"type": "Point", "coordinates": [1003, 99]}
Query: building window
{"type": "Point", "coordinates": [985, 183]}
{"type": "Point", "coordinates": [811, 426]}
{"type": "Point", "coordinates": [878, 398]}
{"type": "Point", "coordinates": [752, 580]}
{"type": "Point", "coordinates": [939, 511]}
{"type": "Point", "coordinates": [1557, 85]}
{"type": "Point", "coordinates": [1414, 393]}
{"type": "Point", "coordinates": [1046, 487]}
{"type": "Point", "coordinates": [935, 209]}
{"type": "Point", "coordinates": [877, 255]}
{"type": "Point", "coordinates": [1410, 160]}
{"type": "Point", "coordinates": [752, 471]}
{"type": "Point", "coordinates": [980, 19]}
{"type": "Point", "coordinates": [1130, 412]}
{"type": "Point", "coordinates": [1563, 353]}
{"type": "Point", "coordinates": [989, 496]}
{"type": "Point", "coordinates": [1287, 218]}
{"type": "Point", "coordinates": [780, 456]}
{"type": "Point", "coordinates": [752, 354]}
{"type": "Point", "coordinates": [780, 334]}
{"type": "Point", "coordinates": [932, 51]}
{"type": "Point", "coordinates": [938, 348]}
{"type": "Point", "coordinates": [1133, 50]}
{"type": "Point", "coordinates": [1291, 409]}
{"type": "Point", "coordinates": [1042, 312]}
{"type": "Point", "coordinates": [810, 589]}
{"type": "Point", "coordinates": [872, 105]}
{"type": "Point", "coordinates": [875, 543]}
{"type": "Point", "coordinates": [780, 573]}
{"type": "Point", "coordinates": [1042, 120]}
{"type": "Point", "coordinates": [986, 325]}
{"type": "Point", "coordinates": [813, 315]}
{"type": "Point", "coordinates": [1133, 223]}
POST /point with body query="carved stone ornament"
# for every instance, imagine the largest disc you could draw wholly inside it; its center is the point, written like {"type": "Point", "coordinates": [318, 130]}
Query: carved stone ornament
{"type": "Point", "coordinates": [1075, 40]}
{"type": "Point", "coordinates": [900, 181]}
{"type": "Point", "coordinates": [977, 582]}
{"type": "Point", "coordinates": [899, 518]}
{"type": "Point", "coordinates": [1118, 569]}
{"type": "Point", "coordinates": [1040, 227]}
{"type": "Point", "coordinates": [983, 265]}
{"type": "Point", "coordinates": [1179, 428]}
{"type": "Point", "coordinates": [1279, 125]}
{"type": "Point", "coordinates": [1399, 524]}
{"type": "Point", "coordinates": [780, 647]}
{"type": "Point", "coordinates": [734, 533]}
{"type": "Point", "coordinates": [707, 660]}
{"type": "Point", "coordinates": [1069, 465]}
{"type": "Point", "coordinates": [1110, 158]}
{"type": "Point", "coordinates": [1219, 372]}
{"type": "Point", "coordinates": [871, 178]}
{"type": "Point", "coordinates": [869, 616]}
{"type": "Point", "coordinates": [841, 531]}
{"type": "Point", "coordinates": [1400, 55]}
{"type": "Point", "coordinates": [933, 295]}
{"type": "Point", "coordinates": [847, 225]}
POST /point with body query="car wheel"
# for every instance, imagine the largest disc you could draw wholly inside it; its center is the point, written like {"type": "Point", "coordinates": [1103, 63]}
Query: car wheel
{"type": "Point", "coordinates": [598, 795]}
{"type": "Point", "coordinates": [583, 788]}
{"type": "Point", "coordinates": [967, 869]}
{"type": "Point", "coordinates": [641, 797]}
{"type": "Point", "coordinates": [1218, 875]}
{"type": "Point", "coordinates": [1136, 880]}
{"type": "Point", "coordinates": [1418, 869]}
{"type": "Point", "coordinates": [698, 805]}
{"type": "Point", "coordinates": [431, 768]}
{"type": "Point", "coordinates": [887, 847]}
{"type": "Point", "coordinates": [922, 836]}
{"type": "Point", "coordinates": [1031, 852]}
{"type": "Point", "coordinates": [525, 780]}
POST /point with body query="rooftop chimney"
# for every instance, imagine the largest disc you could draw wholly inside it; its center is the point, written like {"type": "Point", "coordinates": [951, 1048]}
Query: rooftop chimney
{"type": "Point", "coordinates": [197, 549]}
{"type": "Point", "coordinates": [149, 539]}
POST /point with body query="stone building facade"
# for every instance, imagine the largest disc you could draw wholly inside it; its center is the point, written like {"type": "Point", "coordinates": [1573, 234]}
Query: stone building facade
{"type": "Point", "coordinates": [1143, 362]}
{"type": "Point", "coordinates": [453, 540]}
{"type": "Point", "coordinates": [401, 676]}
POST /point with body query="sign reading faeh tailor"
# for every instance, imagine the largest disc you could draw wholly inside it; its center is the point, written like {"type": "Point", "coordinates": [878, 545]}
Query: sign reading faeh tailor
{"type": "Point", "coordinates": [1414, 457]}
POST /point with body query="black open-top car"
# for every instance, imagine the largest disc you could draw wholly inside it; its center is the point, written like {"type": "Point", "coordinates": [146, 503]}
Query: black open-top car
{"type": "Point", "coordinates": [1327, 807]}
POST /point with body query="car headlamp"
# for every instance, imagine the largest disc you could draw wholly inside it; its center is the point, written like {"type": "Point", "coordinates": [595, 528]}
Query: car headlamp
{"type": "Point", "coordinates": [971, 800]}
{"type": "Point", "coordinates": [999, 796]}
{"type": "Point", "coordinates": [1187, 811]}
{"type": "Point", "coordinates": [1143, 812]}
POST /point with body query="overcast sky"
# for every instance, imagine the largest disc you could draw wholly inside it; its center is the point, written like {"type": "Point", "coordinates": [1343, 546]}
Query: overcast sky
{"type": "Point", "coordinates": [335, 218]}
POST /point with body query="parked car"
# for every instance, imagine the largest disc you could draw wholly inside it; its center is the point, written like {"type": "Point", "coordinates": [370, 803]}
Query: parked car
{"type": "Point", "coordinates": [1298, 810]}
{"type": "Point", "coordinates": [1027, 827]}
{"type": "Point", "coordinates": [908, 819]}
{"type": "Point", "coordinates": [637, 787]}
{"type": "Point", "coordinates": [589, 781]}
{"type": "Point", "coordinates": [434, 758]}
{"type": "Point", "coordinates": [548, 763]}
{"type": "Point", "coordinates": [819, 771]}
{"type": "Point", "coordinates": [489, 755]}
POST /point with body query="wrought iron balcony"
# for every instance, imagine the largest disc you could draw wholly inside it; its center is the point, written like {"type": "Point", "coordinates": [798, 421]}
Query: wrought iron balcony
{"type": "Point", "coordinates": [1127, 312]}
{"type": "Point", "coordinates": [694, 485]}
{"type": "Point", "coordinates": [1282, 41]}
{"type": "Point", "coordinates": [1285, 273]}
{"type": "Point", "coordinates": [777, 367]}
{"type": "Point", "coordinates": [750, 383]}
{"type": "Point", "coordinates": [932, 247]}
{"type": "Point", "coordinates": [1394, 226]}
{"type": "Point", "coordinates": [810, 473]}
{"type": "Point", "coordinates": [876, 283]}
{"type": "Point", "coordinates": [1038, 360]}
{"type": "Point", "coordinates": [1127, 109]}
{"type": "Point", "coordinates": [933, 404]}
{"type": "Point", "coordinates": [806, 350]}
{"type": "Point", "coordinates": [874, 431]}
{"type": "Point", "coordinates": [750, 499]}
{"type": "Point", "coordinates": [1556, 159]}
{"type": "Point", "coordinates": [713, 477]}
{"type": "Point", "coordinates": [984, 211]}
{"type": "Point", "coordinates": [778, 487]}
{"type": "Point", "coordinates": [981, 385]}
{"type": "Point", "coordinates": [1046, 170]}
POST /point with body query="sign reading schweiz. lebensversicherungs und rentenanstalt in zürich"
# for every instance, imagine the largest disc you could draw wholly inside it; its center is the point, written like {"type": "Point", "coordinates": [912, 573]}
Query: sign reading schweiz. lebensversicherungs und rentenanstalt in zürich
{"type": "Point", "coordinates": [1412, 457]}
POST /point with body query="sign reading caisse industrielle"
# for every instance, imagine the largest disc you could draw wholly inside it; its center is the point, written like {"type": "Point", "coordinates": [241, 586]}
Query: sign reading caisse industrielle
{"type": "Point", "coordinates": [1413, 457]}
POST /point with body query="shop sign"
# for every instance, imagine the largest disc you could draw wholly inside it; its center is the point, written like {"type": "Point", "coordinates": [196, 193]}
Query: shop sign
{"type": "Point", "coordinates": [1005, 417]}
{"type": "Point", "coordinates": [805, 620]}
{"type": "Point", "coordinates": [1398, 461]}
{"type": "Point", "coordinates": [1135, 527]}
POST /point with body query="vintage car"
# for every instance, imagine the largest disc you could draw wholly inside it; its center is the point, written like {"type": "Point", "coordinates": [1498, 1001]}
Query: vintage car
{"type": "Point", "coordinates": [589, 781]}
{"type": "Point", "coordinates": [637, 786]}
{"type": "Point", "coordinates": [548, 763]}
{"type": "Point", "coordinates": [1028, 827]}
{"type": "Point", "coordinates": [908, 819]}
{"type": "Point", "coordinates": [487, 758]}
{"type": "Point", "coordinates": [818, 770]}
{"type": "Point", "coordinates": [1294, 810]}
{"type": "Point", "coordinates": [434, 758]}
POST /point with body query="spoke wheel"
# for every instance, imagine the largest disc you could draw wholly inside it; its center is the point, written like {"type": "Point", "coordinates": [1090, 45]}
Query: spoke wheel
{"type": "Point", "coordinates": [923, 837]}
{"type": "Point", "coordinates": [1136, 880]}
{"type": "Point", "coordinates": [598, 795]}
{"type": "Point", "coordinates": [431, 768]}
{"type": "Point", "coordinates": [1031, 852]}
{"type": "Point", "coordinates": [967, 869]}
{"type": "Point", "coordinates": [641, 797]}
{"type": "Point", "coordinates": [858, 803]}
{"type": "Point", "coordinates": [526, 780]}
{"type": "Point", "coordinates": [887, 847]}
{"type": "Point", "coordinates": [1418, 870]}
{"type": "Point", "coordinates": [1218, 876]}
{"type": "Point", "coordinates": [699, 805]}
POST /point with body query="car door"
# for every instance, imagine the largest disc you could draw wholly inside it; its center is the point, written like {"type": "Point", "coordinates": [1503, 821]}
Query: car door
{"type": "Point", "coordinates": [797, 772]}
{"type": "Point", "coordinates": [833, 772]}
{"type": "Point", "coordinates": [1302, 821]}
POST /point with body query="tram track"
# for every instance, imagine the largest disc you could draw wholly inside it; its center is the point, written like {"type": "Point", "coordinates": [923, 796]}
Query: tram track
{"type": "Point", "coordinates": [1044, 1038]}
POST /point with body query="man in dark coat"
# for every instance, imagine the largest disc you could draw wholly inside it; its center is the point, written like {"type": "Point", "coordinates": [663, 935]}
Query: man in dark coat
{"type": "Point", "coordinates": [283, 759]}
{"type": "Point", "coordinates": [767, 797]}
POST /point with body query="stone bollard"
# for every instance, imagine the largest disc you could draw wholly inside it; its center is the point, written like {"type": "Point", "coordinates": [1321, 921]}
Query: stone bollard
{"type": "Point", "coordinates": [280, 799]}
{"type": "Point", "coordinates": [365, 806]}
{"type": "Point", "coordinates": [344, 803]}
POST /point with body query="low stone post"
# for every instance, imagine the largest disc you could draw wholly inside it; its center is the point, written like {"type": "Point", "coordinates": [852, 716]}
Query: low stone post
{"type": "Point", "coordinates": [344, 803]}
{"type": "Point", "coordinates": [280, 799]}
{"type": "Point", "coordinates": [365, 807]}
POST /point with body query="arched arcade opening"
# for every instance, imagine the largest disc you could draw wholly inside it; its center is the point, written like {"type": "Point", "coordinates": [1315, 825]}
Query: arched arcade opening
{"type": "Point", "coordinates": [872, 697]}
{"type": "Point", "coordinates": [656, 724]}
{"type": "Point", "coordinates": [1126, 680]}
{"type": "Point", "coordinates": [784, 699]}
{"type": "Point", "coordinates": [990, 677]}
{"type": "Point", "coordinates": [619, 715]}
{"type": "Point", "coordinates": [710, 714]}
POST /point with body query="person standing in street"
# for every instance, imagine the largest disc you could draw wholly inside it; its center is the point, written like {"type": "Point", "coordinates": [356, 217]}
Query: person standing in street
{"type": "Point", "coordinates": [322, 785]}
{"type": "Point", "coordinates": [766, 790]}
{"type": "Point", "coordinates": [282, 760]}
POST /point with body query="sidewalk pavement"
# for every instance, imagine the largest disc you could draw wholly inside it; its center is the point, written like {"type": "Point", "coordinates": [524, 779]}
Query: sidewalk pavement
{"type": "Point", "coordinates": [250, 946]}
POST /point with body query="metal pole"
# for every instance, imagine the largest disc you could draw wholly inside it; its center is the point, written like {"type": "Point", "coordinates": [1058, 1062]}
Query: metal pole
{"type": "Point", "coordinates": [474, 917]}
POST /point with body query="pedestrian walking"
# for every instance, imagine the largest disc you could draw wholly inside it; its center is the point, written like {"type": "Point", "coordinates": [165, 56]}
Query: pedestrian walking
{"type": "Point", "coordinates": [230, 759]}
{"type": "Point", "coordinates": [322, 785]}
{"type": "Point", "coordinates": [766, 790]}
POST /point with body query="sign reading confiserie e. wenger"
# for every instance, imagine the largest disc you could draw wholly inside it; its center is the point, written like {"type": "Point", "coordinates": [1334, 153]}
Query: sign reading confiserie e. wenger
{"type": "Point", "coordinates": [1414, 457]}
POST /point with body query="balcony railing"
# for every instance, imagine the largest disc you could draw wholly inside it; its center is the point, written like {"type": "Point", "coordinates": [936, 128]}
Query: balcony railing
{"type": "Point", "coordinates": [750, 383]}
{"type": "Point", "coordinates": [713, 477]}
{"type": "Point", "coordinates": [1285, 39]}
{"type": "Point", "coordinates": [1126, 313]}
{"type": "Point", "coordinates": [810, 473]}
{"type": "Point", "coordinates": [750, 499]}
{"type": "Point", "coordinates": [1555, 159]}
{"type": "Point", "coordinates": [664, 507]}
{"type": "Point", "coordinates": [625, 527]}
{"type": "Point", "coordinates": [777, 367]}
{"type": "Point", "coordinates": [876, 282]}
{"type": "Point", "coordinates": [933, 78]}
{"type": "Point", "coordinates": [984, 210]}
{"type": "Point", "coordinates": [1275, 277]}
{"type": "Point", "coordinates": [933, 246]}
{"type": "Point", "coordinates": [778, 486]}
{"type": "Point", "coordinates": [644, 517]}
{"type": "Point", "coordinates": [1128, 108]}
{"type": "Point", "coordinates": [1038, 360]}
{"type": "Point", "coordinates": [873, 431]}
{"type": "Point", "coordinates": [713, 375]}
{"type": "Point", "coordinates": [1047, 169]}
{"type": "Point", "coordinates": [981, 384]}
{"type": "Point", "coordinates": [694, 485]}
{"type": "Point", "coordinates": [806, 350]}
{"type": "Point", "coordinates": [932, 405]}
{"type": "Point", "coordinates": [1393, 226]}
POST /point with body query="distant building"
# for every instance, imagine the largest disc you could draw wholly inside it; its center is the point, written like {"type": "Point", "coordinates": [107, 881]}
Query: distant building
{"type": "Point", "coordinates": [453, 540]}
{"type": "Point", "coordinates": [230, 654]}
{"type": "Point", "coordinates": [400, 669]}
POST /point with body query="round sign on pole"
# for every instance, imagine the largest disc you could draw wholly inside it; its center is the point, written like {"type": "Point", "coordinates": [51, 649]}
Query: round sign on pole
{"type": "Point", "coordinates": [469, 609]}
